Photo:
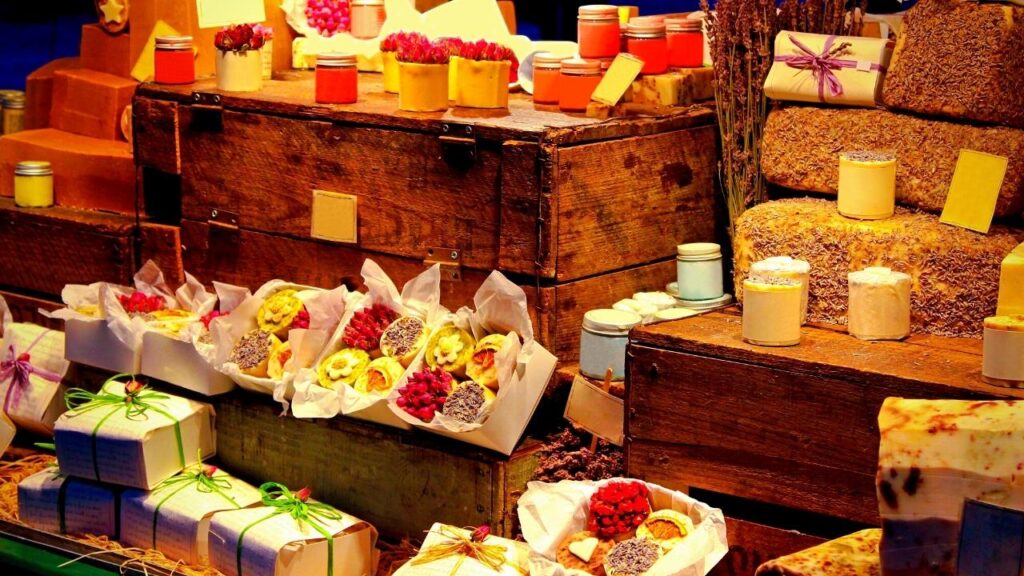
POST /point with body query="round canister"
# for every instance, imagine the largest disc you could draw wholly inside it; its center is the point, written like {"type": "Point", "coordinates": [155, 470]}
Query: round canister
{"type": "Point", "coordinates": [787, 267]}
{"type": "Point", "coordinates": [879, 307]}
{"type": "Point", "coordinates": [699, 271]}
{"type": "Point", "coordinates": [1003, 361]}
{"type": "Point", "coordinates": [867, 185]}
{"type": "Point", "coordinates": [603, 342]}
{"type": "Point", "coordinates": [771, 311]}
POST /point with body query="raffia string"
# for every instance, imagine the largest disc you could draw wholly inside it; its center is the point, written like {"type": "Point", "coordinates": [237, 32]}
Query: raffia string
{"type": "Point", "coordinates": [459, 544]}
{"type": "Point", "coordinates": [202, 478]}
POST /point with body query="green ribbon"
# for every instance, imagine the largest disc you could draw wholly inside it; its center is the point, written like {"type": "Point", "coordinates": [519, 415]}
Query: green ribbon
{"type": "Point", "coordinates": [193, 478]}
{"type": "Point", "coordinates": [135, 403]}
{"type": "Point", "coordinates": [284, 501]}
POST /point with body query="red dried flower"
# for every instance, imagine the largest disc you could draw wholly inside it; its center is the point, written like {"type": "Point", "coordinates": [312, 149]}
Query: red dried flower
{"type": "Point", "coordinates": [618, 508]}
{"type": "Point", "coordinates": [422, 51]}
{"type": "Point", "coordinates": [241, 37]}
{"type": "Point", "coordinates": [139, 303]}
{"type": "Point", "coordinates": [392, 41]}
{"type": "Point", "coordinates": [328, 17]}
{"type": "Point", "coordinates": [484, 50]}
{"type": "Point", "coordinates": [452, 45]}
{"type": "Point", "coordinates": [206, 319]}
{"type": "Point", "coordinates": [304, 494]}
{"type": "Point", "coordinates": [209, 470]}
{"type": "Point", "coordinates": [133, 387]}
{"type": "Point", "coordinates": [481, 533]}
{"type": "Point", "coordinates": [365, 328]}
{"type": "Point", "coordinates": [301, 320]}
{"type": "Point", "coordinates": [425, 394]}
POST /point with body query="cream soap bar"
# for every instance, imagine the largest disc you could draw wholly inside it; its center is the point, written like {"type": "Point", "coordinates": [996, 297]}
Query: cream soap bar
{"type": "Point", "coordinates": [867, 185]}
{"type": "Point", "coordinates": [787, 267]}
{"type": "Point", "coordinates": [1003, 363]}
{"type": "Point", "coordinates": [879, 306]}
{"type": "Point", "coordinates": [771, 311]}
{"type": "Point", "coordinates": [1011, 284]}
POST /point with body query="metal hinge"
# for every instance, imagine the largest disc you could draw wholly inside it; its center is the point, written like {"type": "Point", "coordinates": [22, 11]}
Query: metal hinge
{"type": "Point", "coordinates": [458, 144]}
{"type": "Point", "coordinates": [223, 220]}
{"type": "Point", "coordinates": [207, 112]}
{"type": "Point", "coordinates": [450, 260]}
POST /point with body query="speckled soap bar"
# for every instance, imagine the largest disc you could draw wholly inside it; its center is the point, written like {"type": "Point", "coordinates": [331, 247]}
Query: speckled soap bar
{"type": "Point", "coordinates": [960, 59]}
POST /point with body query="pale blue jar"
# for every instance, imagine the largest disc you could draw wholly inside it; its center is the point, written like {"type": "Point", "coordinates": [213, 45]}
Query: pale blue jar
{"type": "Point", "coordinates": [603, 342]}
{"type": "Point", "coordinates": [699, 271]}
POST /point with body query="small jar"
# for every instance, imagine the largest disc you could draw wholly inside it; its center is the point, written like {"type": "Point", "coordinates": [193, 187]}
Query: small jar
{"type": "Point", "coordinates": [647, 41]}
{"type": "Point", "coordinates": [367, 18]}
{"type": "Point", "coordinates": [771, 311]}
{"type": "Point", "coordinates": [685, 42]}
{"type": "Point", "coordinates": [174, 61]}
{"type": "Point", "coordinates": [879, 306]}
{"type": "Point", "coordinates": [14, 114]}
{"type": "Point", "coordinates": [579, 78]}
{"type": "Point", "coordinates": [788, 267]}
{"type": "Point", "coordinates": [603, 342]}
{"type": "Point", "coordinates": [337, 81]}
{"type": "Point", "coordinates": [598, 31]}
{"type": "Point", "coordinates": [546, 71]}
{"type": "Point", "coordinates": [867, 185]}
{"type": "Point", "coordinates": [33, 184]}
{"type": "Point", "coordinates": [699, 271]}
{"type": "Point", "coordinates": [1003, 359]}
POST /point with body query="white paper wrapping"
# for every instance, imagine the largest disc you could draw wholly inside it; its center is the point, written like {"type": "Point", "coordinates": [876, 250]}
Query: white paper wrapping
{"type": "Point", "coordinates": [523, 370]}
{"type": "Point", "coordinates": [550, 513]}
{"type": "Point", "coordinates": [87, 508]}
{"type": "Point", "coordinates": [517, 558]}
{"type": "Point", "coordinates": [87, 337]}
{"type": "Point", "coordinates": [281, 546]}
{"type": "Point", "coordinates": [420, 298]}
{"type": "Point", "coordinates": [37, 405]}
{"type": "Point", "coordinates": [175, 518]}
{"type": "Point", "coordinates": [139, 451]}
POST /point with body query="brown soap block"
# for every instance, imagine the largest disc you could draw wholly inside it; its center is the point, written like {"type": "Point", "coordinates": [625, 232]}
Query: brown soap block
{"type": "Point", "coordinates": [104, 52]}
{"type": "Point", "coordinates": [39, 92]}
{"type": "Point", "coordinates": [91, 173]}
{"type": "Point", "coordinates": [852, 555]}
{"type": "Point", "coordinates": [801, 149]}
{"type": "Point", "coordinates": [955, 271]}
{"type": "Point", "coordinates": [90, 103]}
{"type": "Point", "coordinates": [676, 88]}
{"type": "Point", "coordinates": [960, 59]}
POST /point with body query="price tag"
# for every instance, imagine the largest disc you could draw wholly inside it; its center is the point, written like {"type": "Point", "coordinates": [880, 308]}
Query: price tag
{"type": "Point", "coordinates": [991, 540]}
{"type": "Point", "coordinates": [596, 411]}
{"type": "Point", "coordinates": [971, 201]}
{"type": "Point", "coordinates": [335, 217]}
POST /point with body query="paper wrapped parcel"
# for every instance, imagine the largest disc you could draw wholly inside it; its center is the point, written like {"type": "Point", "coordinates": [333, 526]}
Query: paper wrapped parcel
{"type": "Point", "coordinates": [820, 68]}
{"type": "Point", "coordinates": [137, 444]}
{"type": "Point", "coordinates": [175, 517]}
{"type": "Point", "coordinates": [54, 503]}
{"type": "Point", "coordinates": [514, 556]}
{"type": "Point", "coordinates": [32, 366]}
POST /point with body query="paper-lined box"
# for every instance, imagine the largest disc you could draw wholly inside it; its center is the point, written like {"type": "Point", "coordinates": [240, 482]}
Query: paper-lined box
{"type": "Point", "coordinates": [55, 503]}
{"type": "Point", "coordinates": [177, 362]}
{"type": "Point", "coordinates": [93, 343]}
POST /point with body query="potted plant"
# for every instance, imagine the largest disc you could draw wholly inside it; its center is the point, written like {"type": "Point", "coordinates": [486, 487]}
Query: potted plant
{"type": "Point", "coordinates": [483, 75]}
{"type": "Point", "coordinates": [454, 47]}
{"type": "Point", "coordinates": [388, 52]}
{"type": "Point", "coordinates": [423, 76]}
{"type": "Point", "coordinates": [238, 58]}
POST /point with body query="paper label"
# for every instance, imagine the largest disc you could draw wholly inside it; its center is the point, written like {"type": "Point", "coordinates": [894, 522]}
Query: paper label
{"type": "Point", "coordinates": [624, 69]}
{"type": "Point", "coordinates": [335, 217]}
{"type": "Point", "coordinates": [991, 540]}
{"type": "Point", "coordinates": [596, 411]}
{"type": "Point", "coordinates": [972, 197]}
{"type": "Point", "coordinates": [217, 13]}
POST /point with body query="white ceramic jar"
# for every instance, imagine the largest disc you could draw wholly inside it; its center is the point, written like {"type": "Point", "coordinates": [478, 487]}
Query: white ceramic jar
{"type": "Point", "coordinates": [603, 342]}
{"type": "Point", "coordinates": [699, 271]}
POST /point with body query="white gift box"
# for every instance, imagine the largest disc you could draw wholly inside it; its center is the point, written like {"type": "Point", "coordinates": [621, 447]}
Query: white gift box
{"type": "Point", "coordinates": [275, 544]}
{"type": "Point", "coordinates": [178, 362]}
{"type": "Point", "coordinates": [54, 503]}
{"type": "Point", "coordinates": [138, 445]}
{"type": "Point", "coordinates": [90, 341]}
{"type": "Point", "coordinates": [175, 517]}
{"type": "Point", "coordinates": [35, 403]}
{"type": "Point", "coordinates": [517, 556]}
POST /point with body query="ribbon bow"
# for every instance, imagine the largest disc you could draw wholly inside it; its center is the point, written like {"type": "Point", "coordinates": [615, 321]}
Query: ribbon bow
{"type": "Point", "coordinates": [138, 399]}
{"type": "Point", "coordinates": [822, 65]}
{"type": "Point", "coordinates": [298, 506]}
{"type": "Point", "coordinates": [472, 546]}
{"type": "Point", "coordinates": [201, 477]}
{"type": "Point", "coordinates": [17, 368]}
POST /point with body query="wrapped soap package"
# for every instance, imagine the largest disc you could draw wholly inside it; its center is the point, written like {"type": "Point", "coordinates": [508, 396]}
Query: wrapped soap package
{"type": "Point", "coordinates": [291, 535]}
{"type": "Point", "coordinates": [32, 366]}
{"type": "Point", "coordinates": [389, 327]}
{"type": "Point", "coordinates": [846, 70]}
{"type": "Point", "coordinates": [448, 549]}
{"type": "Point", "coordinates": [88, 338]}
{"type": "Point", "coordinates": [935, 455]}
{"type": "Point", "coordinates": [129, 435]}
{"type": "Point", "coordinates": [52, 502]}
{"type": "Point", "coordinates": [175, 517]}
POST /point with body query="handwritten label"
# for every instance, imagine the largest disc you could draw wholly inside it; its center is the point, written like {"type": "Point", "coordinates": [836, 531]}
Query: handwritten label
{"type": "Point", "coordinates": [596, 411]}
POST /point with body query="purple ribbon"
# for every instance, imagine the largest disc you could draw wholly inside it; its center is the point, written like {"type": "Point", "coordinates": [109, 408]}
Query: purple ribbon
{"type": "Point", "coordinates": [17, 368]}
{"type": "Point", "coordinates": [822, 66]}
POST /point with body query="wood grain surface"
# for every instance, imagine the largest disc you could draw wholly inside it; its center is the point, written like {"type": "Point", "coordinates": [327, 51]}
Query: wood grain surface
{"type": "Point", "coordinates": [751, 544]}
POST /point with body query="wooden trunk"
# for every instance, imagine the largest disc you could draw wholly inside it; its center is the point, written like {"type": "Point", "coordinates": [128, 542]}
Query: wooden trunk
{"type": "Point", "coordinates": [792, 427]}
{"type": "Point", "coordinates": [557, 202]}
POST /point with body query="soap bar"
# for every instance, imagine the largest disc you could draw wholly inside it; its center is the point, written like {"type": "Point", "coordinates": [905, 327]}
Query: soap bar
{"type": "Point", "coordinates": [1011, 284]}
{"type": "Point", "coordinates": [852, 555]}
{"type": "Point", "coordinates": [771, 310]}
{"type": "Point", "coordinates": [867, 185]}
{"type": "Point", "coordinates": [787, 267]}
{"type": "Point", "coordinates": [1003, 363]}
{"type": "Point", "coordinates": [879, 306]}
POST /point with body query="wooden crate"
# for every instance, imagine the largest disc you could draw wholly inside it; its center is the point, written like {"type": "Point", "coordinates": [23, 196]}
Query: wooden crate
{"type": "Point", "coordinates": [401, 482]}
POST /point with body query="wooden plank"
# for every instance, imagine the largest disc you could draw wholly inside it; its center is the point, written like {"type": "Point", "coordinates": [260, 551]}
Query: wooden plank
{"type": "Point", "coordinates": [42, 250]}
{"type": "Point", "coordinates": [155, 134]}
{"type": "Point", "coordinates": [665, 183]}
{"type": "Point", "coordinates": [162, 244]}
{"type": "Point", "coordinates": [752, 544]}
{"type": "Point", "coordinates": [25, 308]}
{"type": "Point", "coordinates": [526, 208]}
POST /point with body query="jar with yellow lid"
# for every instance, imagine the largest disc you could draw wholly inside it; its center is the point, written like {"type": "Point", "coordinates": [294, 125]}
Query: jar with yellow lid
{"type": "Point", "coordinates": [33, 184]}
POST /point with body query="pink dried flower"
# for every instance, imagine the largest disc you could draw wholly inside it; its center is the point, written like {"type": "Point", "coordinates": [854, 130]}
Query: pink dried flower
{"type": "Point", "coordinates": [488, 51]}
{"type": "Point", "coordinates": [304, 494]}
{"type": "Point", "coordinates": [240, 38]}
{"type": "Point", "coordinates": [422, 51]}
{"type": "Point", "coordinates": [392, 41]}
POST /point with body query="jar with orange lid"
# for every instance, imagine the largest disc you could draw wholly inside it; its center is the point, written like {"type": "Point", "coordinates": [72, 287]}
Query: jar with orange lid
{"type": "Point", "coordinates": [367, 18]}
{"type": "Point", "coordinates": [578, 80]}
{"type": "Point", "coordinates": [685, 42]}
{"type": "Point", "coordinates": [647, 41]}
{"type": "Point", "coordinates": [598, 32]}
{"type": "Point", "coordinates": [547, 68]}
{"type": "Point", "coordinates": [337, 81]}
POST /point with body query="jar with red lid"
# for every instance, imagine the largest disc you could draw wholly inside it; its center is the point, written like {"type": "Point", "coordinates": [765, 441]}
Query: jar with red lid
{"type": "Point", "coordinates": [598, 31]}
{"type": "Point", "coordinates": [646, 40]}
{"type": "Point", "coordinates": [337, 81]}
{"type": "Point", "coordinates": [685, 42]}
{"type": "Point", "coordinates": [174, 61]}
{"type": "Point", "coordinates": [367, 18]}
{"type": "Point", "coordinates": [547, 68]}
{"type": "Point", "coordinates": [577, 83]}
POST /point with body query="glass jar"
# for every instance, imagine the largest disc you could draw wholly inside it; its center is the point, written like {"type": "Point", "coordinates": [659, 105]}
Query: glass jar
{"type": "Point", "coordinates": [14, 113]}
{"type": "Point", "coordinates": [337, 81]}
{"type": "Point", "coordinates": [367, 18]}
{"type": "Point", "coordinates": [647, 41]}
{"type": "Point", "coordinates": [699, 271]}
{"type": "Point", "coordinates": [174, 61]}
{"type": "Point", "coordinates": [577, 82]}
{"type": "Point", "coordinates": [598, 31]}
{"type": "Point", "coordinates": [603, 342]}
{"type": "Point", "coordinates": [33, 184]}
{"type": "Point", "coordinates": [685, 42]}
{"type": "Point", "coordinates": [546, 71]}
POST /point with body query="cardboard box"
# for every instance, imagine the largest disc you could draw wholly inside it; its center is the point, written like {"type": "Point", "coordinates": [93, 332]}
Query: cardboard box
{"type": "Point", "coordinates": [91, 342]}
{"type": "Point", "coordinates": [517, 556]}
{"type": "Point", "coordinates": [177, 362]}
{"type": "Point", "coordinates": [55, 503]}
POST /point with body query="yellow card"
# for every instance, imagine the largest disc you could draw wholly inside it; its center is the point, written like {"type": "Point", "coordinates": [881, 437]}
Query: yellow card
{"type": "Point", "coordinates": [335, 217]}
{"type": "Point", "coordinates": [971, 201]}
{"type": "Point", "coordinates": [1019, 250]}
{"type": "Point", "coordinates": [624, 69]}
{"type": "Point", "coordinates": [143, 69]}
{"type": "Point", "coordinates": [217, 13]}
{"type": "Point", "coordinates": [627, 12]}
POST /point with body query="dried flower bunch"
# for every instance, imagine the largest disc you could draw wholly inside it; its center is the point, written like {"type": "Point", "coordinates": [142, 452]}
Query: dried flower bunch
{"type": "Point", "coordinates": [618, 508]}
{"type": "Point", "coordinates": [484, 50]}
{"type": "Point", "coordinates": [392, 41]}
{"type": "Point", "coordinates": [822, 16]}
{"type": "Point", "coordinates": [422, 51]}
{"type": "Point", "coordinates": [452, 44]}
{"type": "Point", "coordinates": [139, 303]}
{"type": "Point", "coordinates": [241, 37]}
{"type": "Point", "coordinates": [328, 17]}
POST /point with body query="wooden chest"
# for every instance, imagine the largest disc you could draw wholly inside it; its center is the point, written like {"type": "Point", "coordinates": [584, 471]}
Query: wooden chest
{"type": "Point", "coordinates": [582, 211]}
{"type": "Point", "coordinates": [791, 429]}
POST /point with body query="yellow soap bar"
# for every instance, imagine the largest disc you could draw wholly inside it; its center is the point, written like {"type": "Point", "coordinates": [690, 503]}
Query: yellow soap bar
{"type": "Point", "coordinates": [1011, 284]}
{"type": "Point", "coordinates": [627, 12]}
{"type": "Point", "coordinates": [624, 69]}
{"type": "Point", "coordinates": [971, 201]}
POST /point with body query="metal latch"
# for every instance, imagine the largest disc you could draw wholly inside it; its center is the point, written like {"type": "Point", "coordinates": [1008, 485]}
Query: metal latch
{"type": "Point", "coordinates": [458, 144]}
{"type": "Point", "coordinates": [207, 112]}
{"type": "Point", "coordinates": [223, 220]}
{"type": "Point", "coordinates": [450, 260]}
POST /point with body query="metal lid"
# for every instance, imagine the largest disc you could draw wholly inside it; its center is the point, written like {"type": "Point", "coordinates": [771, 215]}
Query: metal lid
{"type": "Point", "coordinates": [645, 28]}
{"type": "Point", "coordinates": [14, 101]}
{"type": "Point", "coordinates": [611, 321]}
{"type": "Point", "coordinates": [581, 67]}
{"type": "Point", "coordinates": [699, 251]}
{"type": "Point", "coordinates": [335, 59]}
{"type": "Point", "coordinates": [367, 2]}
{"type": "Point", "coordinates": [33, 168]}
{"type": "Point", "coordinates": [682, 25]}
{"type": "Point", "coordinates": [599, 12]}
{"type": "Point", "coordinates": [606, 63]}
{"type": "Point", "coordinates": [548, 60]}
{"type": "Point", "coordinates": [174, 42]}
